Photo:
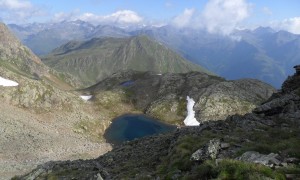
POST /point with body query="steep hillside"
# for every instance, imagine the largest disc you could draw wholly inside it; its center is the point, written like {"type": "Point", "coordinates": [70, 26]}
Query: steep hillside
{"type": "Point", "coordinates": [40, 122]}
{"type": "Point", "coordinates": [164, 96]}
{"type": "Point", "coordinates": [93, 60]}
{"type": "Point", "coordinates": [18, 58]}
{"type": "Point", "coordinates": [260, 145]}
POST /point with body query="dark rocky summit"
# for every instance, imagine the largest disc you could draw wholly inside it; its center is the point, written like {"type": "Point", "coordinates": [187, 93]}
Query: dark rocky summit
{"type": "Point", "coordinates": [264, 144]}
{"type": "Point", "coordinates": [297, 69]}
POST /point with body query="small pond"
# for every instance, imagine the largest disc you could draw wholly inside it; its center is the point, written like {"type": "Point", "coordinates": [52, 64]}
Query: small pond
{"type": "Point", "coordinates": [130, 126]}
{"type": "Point", "coordinates": [127, 83]}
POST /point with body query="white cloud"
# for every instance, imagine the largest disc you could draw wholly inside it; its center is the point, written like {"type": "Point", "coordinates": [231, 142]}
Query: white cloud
{"type": "Point", "coordinates": [62, 16]}
{"type": "Point", "coordinates": [218, 16]}
{"type": "Point", "coordinates": [123, 17]}
{"type": "Point", "coordinates": [15, 4]}
{"type": "Point", "coordinates": [292, 25]}
{"type": "Point", "coordinates": [223, 16]}
{"type": "Point", "coordinates": [184, 19]}
{"type": "Point", "coordinates": [18, 10]}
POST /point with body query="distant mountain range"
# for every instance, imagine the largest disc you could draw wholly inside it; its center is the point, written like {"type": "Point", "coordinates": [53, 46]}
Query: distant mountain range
{"type": "Point", "coordinates": [43, 38]}
{"type": "Point", "coordinates": [261, 53]}
{"type": "Point", "coordinates": [93, 60]}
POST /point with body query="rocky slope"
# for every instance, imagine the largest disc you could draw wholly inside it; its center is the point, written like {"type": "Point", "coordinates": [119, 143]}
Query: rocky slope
{"type": "Point", "coordinates": [268, 137]}
{"type": "Point", "coordinates": [39, 121]}
{"type": "Point", "coordinates": [96, 59]}
{"type": "Point", "coordinates": [164, 96]}
{"type": "Point", "coordinates": [17, 57]}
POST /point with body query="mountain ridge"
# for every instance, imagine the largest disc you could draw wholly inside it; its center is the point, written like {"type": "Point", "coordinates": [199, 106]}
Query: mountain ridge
{"type": "Point", "coordinates": [164, 96]}
{"type": "Point", "coordinates": [93, 60]}
{"type": "Point", "coordinates": [269, 54]}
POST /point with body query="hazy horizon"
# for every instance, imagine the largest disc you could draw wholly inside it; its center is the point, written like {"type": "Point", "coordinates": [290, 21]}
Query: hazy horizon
{"type": "Point", "coordinates": [215, 16]}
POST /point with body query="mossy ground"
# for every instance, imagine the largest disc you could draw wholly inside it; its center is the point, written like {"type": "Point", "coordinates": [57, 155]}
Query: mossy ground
{"type": "Point", "coordinates": [232, 169]}
{"type": "Point", "coordinates": [170, 112]}
{"type": "Point", "coordinates": [264, 140]}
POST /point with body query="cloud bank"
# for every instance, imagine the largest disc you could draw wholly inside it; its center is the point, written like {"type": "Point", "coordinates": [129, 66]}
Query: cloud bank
{"type": "Point", "coordinates": [292, 25]}
{"type": "Point", "coordinates": [122, 17]}
{"type": "Point", "coordinates": [184, 19]}
{"type": "Point", "coordinates": [18, 10]}
{"type": "Point", "coordinates": [218, 16]}
{"type": "Point", "coordinates": [223, 16]}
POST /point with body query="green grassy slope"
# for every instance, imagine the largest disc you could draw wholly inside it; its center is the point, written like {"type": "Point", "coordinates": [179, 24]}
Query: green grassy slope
{"type": "Point", "coordinates": [93, 60]}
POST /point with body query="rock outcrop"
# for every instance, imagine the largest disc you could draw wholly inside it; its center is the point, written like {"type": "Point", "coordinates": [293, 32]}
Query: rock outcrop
{"type": "Point", "coordinates": [210, 151]}
{"type": "Point", "coordinates": [164, 96]}
{"type": "Point", "coordinates": [270, 160]}
{"type": "Point", "coordinates": [297, 68]}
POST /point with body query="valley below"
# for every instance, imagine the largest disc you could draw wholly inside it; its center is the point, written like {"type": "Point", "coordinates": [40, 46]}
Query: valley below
{"type": "Point", "coordinates": [258, 145]}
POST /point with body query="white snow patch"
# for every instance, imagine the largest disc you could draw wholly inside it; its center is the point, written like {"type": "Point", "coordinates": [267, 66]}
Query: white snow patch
{"type": "Point", "coordinates": [159, 74]}
{"type": "Point", "coordinates": [86, 97]}
{"type": "Point", "coordinates": [190, 119]}
{"type": "Point", "coordinates": [7, 82]}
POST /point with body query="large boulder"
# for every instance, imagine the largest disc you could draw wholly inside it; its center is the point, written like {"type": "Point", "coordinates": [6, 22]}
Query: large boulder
{"type": "Point", "coordinates": [209, 151]}
{"type": "Point", "coordinates": [270, 160]}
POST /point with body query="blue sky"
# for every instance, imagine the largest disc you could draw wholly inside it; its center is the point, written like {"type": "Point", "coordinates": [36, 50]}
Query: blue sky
{"type": "Point", "coordinates": [210, 14]}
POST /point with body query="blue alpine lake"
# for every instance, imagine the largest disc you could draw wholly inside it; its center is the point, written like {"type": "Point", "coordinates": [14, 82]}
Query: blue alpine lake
{"type": "Point", "coordinates": [130, 126]}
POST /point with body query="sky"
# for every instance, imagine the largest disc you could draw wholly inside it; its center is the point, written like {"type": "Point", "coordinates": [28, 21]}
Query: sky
{"type": "Point", "coordinates": [216, 16]}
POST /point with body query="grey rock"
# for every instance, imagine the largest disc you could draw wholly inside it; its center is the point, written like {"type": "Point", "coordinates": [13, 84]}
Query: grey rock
{"type": "Point", "coordinates": [270, 160]}
{"type": "Point", "coordinates": [198, 155]}
{"type": "Point", "coordinates": [278, 103]}
{"type": "Point", "coordinates": [292, 160]}
{"type": "Point", "coordinates": [209, 151]}
{"type": "Point", "coordinates": [99, 177]}
{"type": "Point", "coordinates": [214, 147]}
{"type": "Point", "coordinates": [225, 145]}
